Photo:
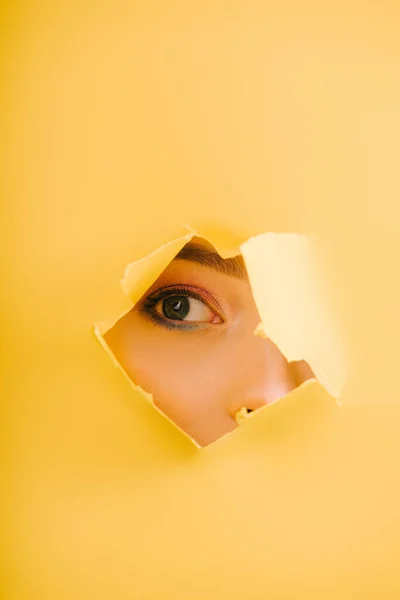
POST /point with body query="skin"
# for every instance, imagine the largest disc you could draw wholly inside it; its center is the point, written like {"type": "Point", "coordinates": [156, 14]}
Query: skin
{"type": "Point", "coordinates": [203, 372]}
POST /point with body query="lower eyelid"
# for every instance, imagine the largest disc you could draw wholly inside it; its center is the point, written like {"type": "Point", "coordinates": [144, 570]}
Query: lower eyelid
{"type": "Point", "coordinates": [160, 321]}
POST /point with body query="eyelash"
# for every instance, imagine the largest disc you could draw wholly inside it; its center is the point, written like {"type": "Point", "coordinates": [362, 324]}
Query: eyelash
{"type": "Point", "coordinates": [151, 301]}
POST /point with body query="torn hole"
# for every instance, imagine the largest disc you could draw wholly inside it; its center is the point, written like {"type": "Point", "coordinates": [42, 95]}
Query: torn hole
{"type": "Point", "coordinates": [189, 341]}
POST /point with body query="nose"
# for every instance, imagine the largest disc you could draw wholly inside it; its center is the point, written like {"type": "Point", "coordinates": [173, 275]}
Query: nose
{"type": "Point", "coordinates": [264, 375]}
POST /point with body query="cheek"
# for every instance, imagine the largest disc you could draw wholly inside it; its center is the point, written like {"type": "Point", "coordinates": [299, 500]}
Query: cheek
{"type": "Point", "coordinates": [187, 376]}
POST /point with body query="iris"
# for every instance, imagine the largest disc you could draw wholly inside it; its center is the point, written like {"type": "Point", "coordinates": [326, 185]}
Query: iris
{"type": "Point", "coordinates": [176, 307]}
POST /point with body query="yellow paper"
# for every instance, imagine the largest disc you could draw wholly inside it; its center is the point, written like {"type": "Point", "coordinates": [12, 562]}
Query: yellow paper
{"type": "Point", "coordinates": [124, 124]}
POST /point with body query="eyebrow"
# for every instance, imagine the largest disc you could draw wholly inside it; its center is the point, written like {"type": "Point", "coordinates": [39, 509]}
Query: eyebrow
{"type": "Point", "coordinates": [234, 267]}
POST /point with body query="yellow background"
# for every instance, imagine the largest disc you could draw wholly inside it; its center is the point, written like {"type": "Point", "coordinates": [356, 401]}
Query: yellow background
{"type": "Point", "coordinates": [123, 122]}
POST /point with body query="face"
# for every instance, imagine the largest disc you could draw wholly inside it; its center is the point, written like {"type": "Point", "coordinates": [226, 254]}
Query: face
{"type": "Point", "coordinates": [190, 342]}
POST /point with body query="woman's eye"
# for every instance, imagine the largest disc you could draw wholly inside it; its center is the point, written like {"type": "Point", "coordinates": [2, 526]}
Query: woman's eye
{"type": "Point", "coordinates": [185, 308]}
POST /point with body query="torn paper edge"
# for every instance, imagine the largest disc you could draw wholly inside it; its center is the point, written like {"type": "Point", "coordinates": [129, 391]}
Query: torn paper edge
{"type": "Point", "coordinates": [129, 281]}
{"type": "Point", "coordinates": [334, 390]}
{"type": "Point", "coordinates": [101, 328]}
{"type": "Point", "coordinates": [127, 284]}
{"type": "Point", "coordinates": [148, 396]}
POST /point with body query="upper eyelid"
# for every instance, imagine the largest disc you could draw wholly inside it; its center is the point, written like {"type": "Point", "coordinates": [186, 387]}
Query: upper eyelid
{"type": "Point", "coordinates": [169, 288]}
{"type": "Point", "coordinates": [180, 289]}
{"type": "Point", "coordinates": [164, 293]}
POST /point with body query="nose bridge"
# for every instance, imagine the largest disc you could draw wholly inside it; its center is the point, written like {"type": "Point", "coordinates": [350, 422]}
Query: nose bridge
{"type": "Point", "coordinates": [265, 374]}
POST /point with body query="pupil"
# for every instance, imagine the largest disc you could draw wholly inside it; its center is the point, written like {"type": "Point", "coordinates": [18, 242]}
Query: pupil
{"type": "Point", "coordinates": [176, 307]}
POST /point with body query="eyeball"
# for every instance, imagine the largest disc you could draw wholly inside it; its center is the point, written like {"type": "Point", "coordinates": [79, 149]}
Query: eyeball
{"type": "Point", "coordinates": [185, 308]}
